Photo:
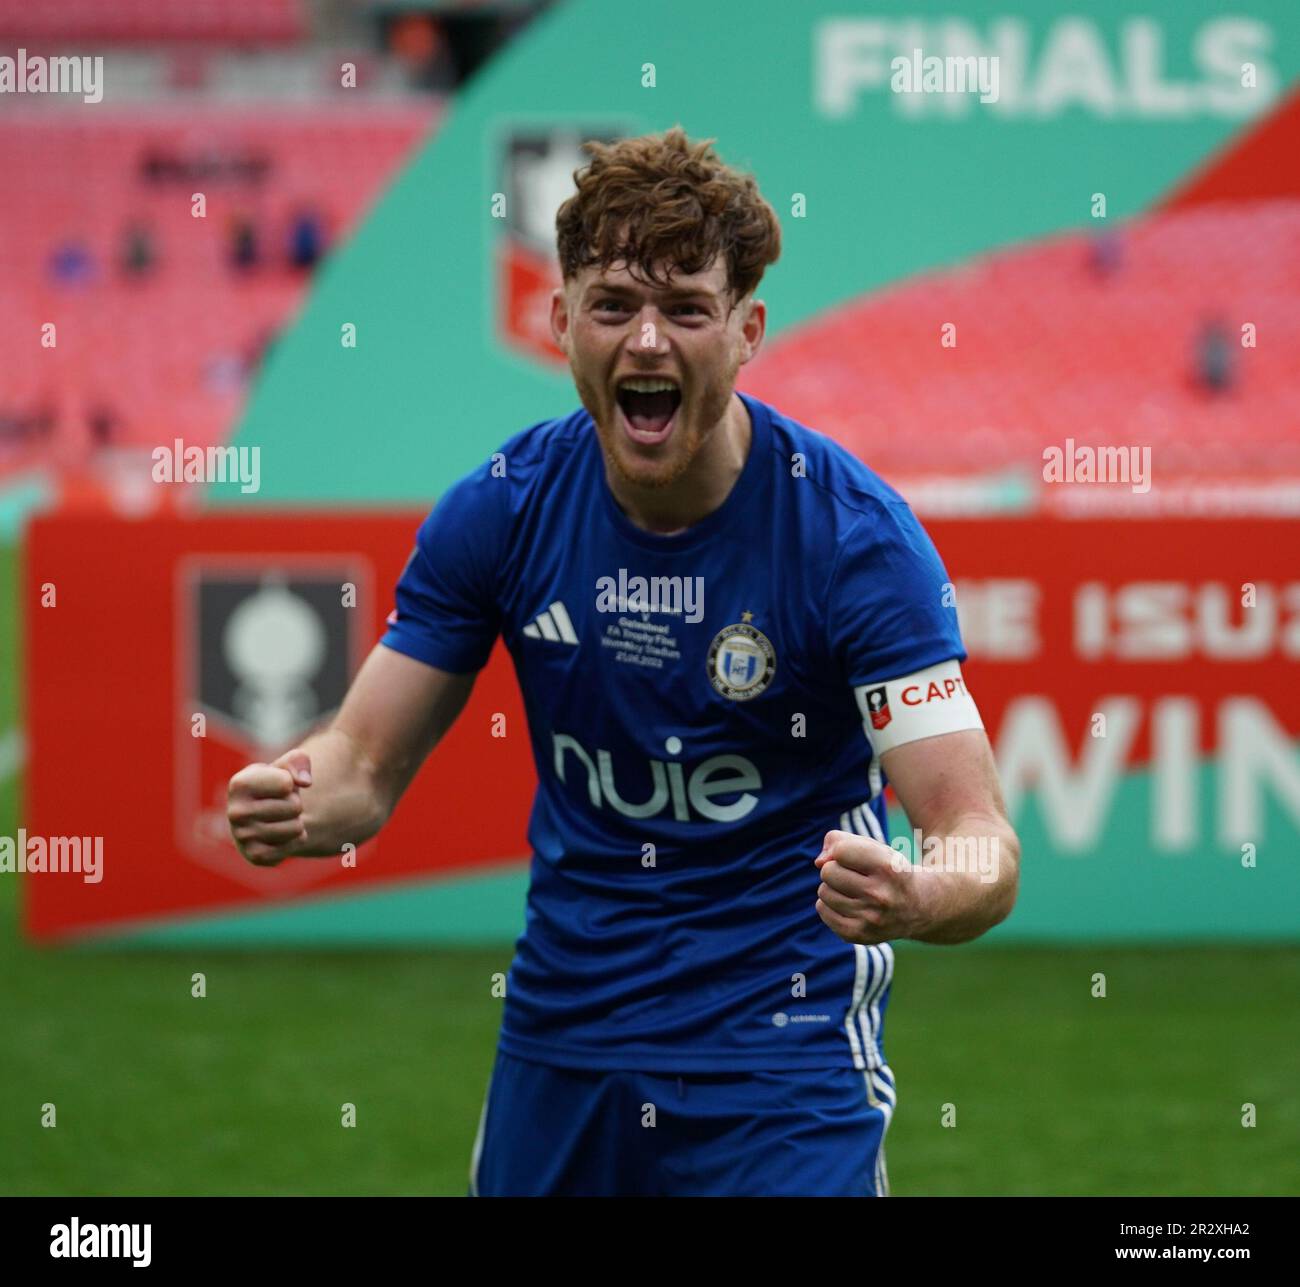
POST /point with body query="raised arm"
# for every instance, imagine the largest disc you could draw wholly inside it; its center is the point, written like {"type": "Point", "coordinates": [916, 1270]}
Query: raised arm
{"type": "Point", "coordinates": [341, 785]}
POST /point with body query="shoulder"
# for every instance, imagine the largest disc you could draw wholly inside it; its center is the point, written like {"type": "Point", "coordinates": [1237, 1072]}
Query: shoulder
{"type": "Point", "coordinates": [881, 585]}
{"type": "Point", "coordinates": [545, 448]}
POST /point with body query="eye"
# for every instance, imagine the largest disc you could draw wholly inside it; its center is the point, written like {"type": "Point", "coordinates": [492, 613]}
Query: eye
{"type": "Point", "coordinates": [608, 305]}
{"type": "Point", "coordinates": [688, 308]}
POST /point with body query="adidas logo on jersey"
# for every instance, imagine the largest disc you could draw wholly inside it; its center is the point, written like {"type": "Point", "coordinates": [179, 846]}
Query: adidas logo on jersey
{"type": "Point", "coordinates": [553, 625]}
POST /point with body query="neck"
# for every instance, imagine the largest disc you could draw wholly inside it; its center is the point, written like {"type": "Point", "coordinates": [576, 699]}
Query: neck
{"type": "Point", "coordinates": [666, 511]}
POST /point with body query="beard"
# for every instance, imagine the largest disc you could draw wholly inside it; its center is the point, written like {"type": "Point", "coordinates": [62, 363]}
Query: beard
{"type": "Point", "coordinates": [694, 427]}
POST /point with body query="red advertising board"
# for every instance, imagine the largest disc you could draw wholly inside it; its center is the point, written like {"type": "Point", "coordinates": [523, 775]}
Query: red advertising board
{"type": "Point", "coordinates": [164, 655]}
{"type": "Point", "coordinates": [146, 626]}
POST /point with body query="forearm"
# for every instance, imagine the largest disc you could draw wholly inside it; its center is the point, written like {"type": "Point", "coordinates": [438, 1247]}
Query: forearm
{"type": "Point", "coordinates": [971, 879]}
{"type": "Point", "coordinates": [345, 803]}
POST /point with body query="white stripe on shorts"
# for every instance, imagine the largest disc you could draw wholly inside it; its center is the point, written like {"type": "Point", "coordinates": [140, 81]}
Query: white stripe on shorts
{"type": "Point", "coordinates": [881, 1095]}
{"type": "Point", "coordinates": [478, 1140]}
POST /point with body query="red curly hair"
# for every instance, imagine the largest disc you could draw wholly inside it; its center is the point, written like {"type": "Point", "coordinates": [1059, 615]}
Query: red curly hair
{"type": "Point", "coordinates": [661, 200]}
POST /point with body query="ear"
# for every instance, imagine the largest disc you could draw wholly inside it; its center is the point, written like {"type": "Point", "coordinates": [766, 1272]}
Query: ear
{"type": "Point", "coordinates": [560, 319]}
{"type": "Point", "coordinates": [753, 327]}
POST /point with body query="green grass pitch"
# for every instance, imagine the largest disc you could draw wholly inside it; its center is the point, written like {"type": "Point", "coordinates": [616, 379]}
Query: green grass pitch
{"type": "Point", "coordinates": [241, 1092]}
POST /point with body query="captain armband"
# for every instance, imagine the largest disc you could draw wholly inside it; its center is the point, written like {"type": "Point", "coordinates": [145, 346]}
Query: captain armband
{"type": "Point", "coordinates": [923, 704]}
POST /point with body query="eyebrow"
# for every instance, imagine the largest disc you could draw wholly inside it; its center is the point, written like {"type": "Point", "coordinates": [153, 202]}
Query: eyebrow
{"type": "Point", "coordinates": [671, 292]}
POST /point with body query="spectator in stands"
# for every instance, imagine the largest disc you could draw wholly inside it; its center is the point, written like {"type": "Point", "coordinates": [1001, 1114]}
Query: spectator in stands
{"type": "Point", "coordinates": [158, 166]}
{"type": "Point", "coordinates": [420, 44]}
{"type": "Point", "coordinates": [139, 254]}
{"type": "Point", "coordinates": [245, 253]}
{"type": "Point", "coordinates": [26, 427]}
{"type": "Point", "coordinates": [1105, 255]}
{"type": "Point", "coordinates": [224, 373]}
{"type": "Point", "coordinates": [71, 263]}
{"type": "Point", "coordinates": [103, 423]}
{"type": "Point", "coordinates": [1214, 372]}
{"type": "Point", "coordinates": [306, 240]}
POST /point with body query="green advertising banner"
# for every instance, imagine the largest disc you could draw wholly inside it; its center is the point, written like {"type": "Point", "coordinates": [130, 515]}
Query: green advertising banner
{"type": "Point", "coordinates": [419, 352]}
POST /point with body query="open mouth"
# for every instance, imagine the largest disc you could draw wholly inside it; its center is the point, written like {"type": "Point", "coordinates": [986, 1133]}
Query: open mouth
{"type": "Point", "coordinates": [649, 407]}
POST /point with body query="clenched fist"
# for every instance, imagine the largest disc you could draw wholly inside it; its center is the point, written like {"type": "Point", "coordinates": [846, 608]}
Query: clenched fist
{"type": "Point", "coordinates": [869, 893]}
{"type": "Point", "coordinates": [264, 808]}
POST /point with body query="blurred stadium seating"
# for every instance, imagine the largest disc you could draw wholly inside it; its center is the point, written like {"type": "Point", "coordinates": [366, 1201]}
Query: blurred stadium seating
{"type": "Point", "coordinates": [153, 20]}
{"type": "Point", "coordinates": [239, 100]}
{"type": "Point", "coordinates": [1099, 341]}
{"type": "Point", "coordinates": [171, 351]}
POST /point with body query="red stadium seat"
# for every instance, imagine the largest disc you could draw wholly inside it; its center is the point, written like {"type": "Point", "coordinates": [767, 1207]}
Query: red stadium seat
{"type": "Point", "coordinates": [139, 21]}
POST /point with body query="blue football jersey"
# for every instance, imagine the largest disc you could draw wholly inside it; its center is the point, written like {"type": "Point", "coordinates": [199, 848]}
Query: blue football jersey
{"type": "Point", "coordinates": [699, 718]}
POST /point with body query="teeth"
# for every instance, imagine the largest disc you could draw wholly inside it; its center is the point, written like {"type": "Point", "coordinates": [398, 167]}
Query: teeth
{"type": "Point", "coordinates": [649, 386]}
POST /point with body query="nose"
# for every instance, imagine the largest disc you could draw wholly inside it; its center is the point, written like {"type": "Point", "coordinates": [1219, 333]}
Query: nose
{"type": "Point", "coordinates": [647, 335]}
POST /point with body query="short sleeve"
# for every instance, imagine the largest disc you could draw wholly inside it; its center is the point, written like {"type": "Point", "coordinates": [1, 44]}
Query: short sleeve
{"type": "Point", "coordinates": [447, 612]}
{"type": "Point", "coordinates": [891, 610]}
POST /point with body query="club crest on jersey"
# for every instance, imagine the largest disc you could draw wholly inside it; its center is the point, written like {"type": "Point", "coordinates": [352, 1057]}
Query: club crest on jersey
{"type": "Point", "coordinates": [741, 661]}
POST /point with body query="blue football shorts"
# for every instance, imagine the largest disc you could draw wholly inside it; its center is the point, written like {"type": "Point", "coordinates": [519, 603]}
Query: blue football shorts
{"type": "Point", "coordinates": [566, 1132]}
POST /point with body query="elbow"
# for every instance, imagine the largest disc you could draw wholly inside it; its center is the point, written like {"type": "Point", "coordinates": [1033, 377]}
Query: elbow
{"type": "Point", "coordinates": [1006, 877]}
